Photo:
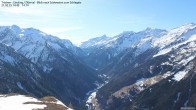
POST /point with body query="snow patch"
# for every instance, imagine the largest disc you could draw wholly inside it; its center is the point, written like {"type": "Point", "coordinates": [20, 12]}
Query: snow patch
{"type": "Point", "coordinates": [178, 76]}
{"type": "Point", "coordinates": [140, 80]}
{"type": "Point", "coordinates": [162, 52]}
{"type": "Point", "coordinates": [93, 95]}
{"type": "Point", "coordinates": [185, 61]}
{"type": "Point", "coordinates": [18, 103]}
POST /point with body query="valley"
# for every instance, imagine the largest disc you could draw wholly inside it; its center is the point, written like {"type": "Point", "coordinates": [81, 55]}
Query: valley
{"type": "Point", "coordinates": [91, 101]}
{"type": "Point", "coordinates": [153, 69]}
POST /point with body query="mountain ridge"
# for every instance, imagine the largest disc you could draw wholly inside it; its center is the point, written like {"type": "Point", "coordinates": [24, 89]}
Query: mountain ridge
{"type": "Point", "coordinates": [133, 64]}
{"type": "Point", "coordinates": [58, 60]}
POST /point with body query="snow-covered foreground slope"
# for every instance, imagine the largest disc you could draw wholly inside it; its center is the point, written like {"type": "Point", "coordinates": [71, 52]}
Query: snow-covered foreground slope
{"type": "Point", "coordinates": [22, 102]}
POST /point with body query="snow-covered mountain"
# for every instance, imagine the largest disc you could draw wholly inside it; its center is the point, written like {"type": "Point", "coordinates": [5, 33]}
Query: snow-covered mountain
{"type": "Point", "coordinates": [23, 36]}
{"type": "Point", "coordinates": [152, 69]}
{"type": "Point", "coordinates": [133, 39]}
{"type": "Point", "coordinates": [175, 38]}
{"type": "Point", "coordinates": [147, 63]}
{"type": "Point", "coordinates": [59, 63]}
{"type": "Point", "coordinates": [95, 42]}
{"type": "Point", "coordinates": [111, 49]}
{"type": "Point", "coordinates": [20, 75]}
{"type": "Point", "coordinates": [34, 44]}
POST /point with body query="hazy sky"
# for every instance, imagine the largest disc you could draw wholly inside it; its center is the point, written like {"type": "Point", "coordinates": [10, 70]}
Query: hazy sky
{"type": "Point", "coordinates": [94, 18]}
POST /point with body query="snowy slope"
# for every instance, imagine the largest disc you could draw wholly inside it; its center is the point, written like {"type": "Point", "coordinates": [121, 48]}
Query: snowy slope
{"type": "Point", "coordinates": [175, 38]}
{"type": "Point", "coordinates": [22, 102]}
{"type": "Point", "coordinates": [178, 34]}
{"type": "Point", "coordinates": [32, 39]}
{"type": "Point", "coordinates": [95, 42]}
{"type": "Point", "coordinates": [36, 45]}
{"type": "Point", "coordinates": [132, 39]}
{"type": "Point", "coordinates": [127, 39]}
{"type": "Point", "coordinates": [17, 103]}
{"type": "Point", "coordinates": [117, 46]}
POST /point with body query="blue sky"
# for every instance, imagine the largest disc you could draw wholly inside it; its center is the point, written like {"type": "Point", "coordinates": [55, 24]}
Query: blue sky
{"type": "Point", "coordinates": [94, 18]}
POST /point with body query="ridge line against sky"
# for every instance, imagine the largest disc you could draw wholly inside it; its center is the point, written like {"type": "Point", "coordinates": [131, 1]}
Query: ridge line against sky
{"type": "Point", "coordinates": [93, 18]}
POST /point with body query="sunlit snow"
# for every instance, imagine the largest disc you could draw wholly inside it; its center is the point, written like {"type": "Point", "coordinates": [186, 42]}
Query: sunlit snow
{"type": "Point", "coordinates": [18, 103]}
{"type": "Point", "coordinates": [178, 76]}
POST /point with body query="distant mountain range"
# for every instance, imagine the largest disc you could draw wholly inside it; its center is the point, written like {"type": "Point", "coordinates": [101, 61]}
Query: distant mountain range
{"type": "Point", "coordinates": [153, 69]}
